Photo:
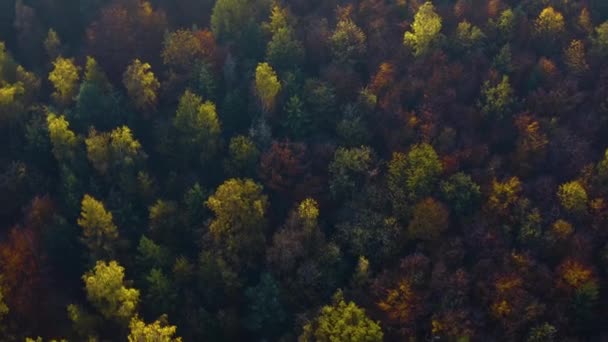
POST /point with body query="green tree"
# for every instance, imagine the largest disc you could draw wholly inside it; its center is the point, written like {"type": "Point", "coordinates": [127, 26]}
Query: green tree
{"type": "Point", "coordinates": [425, 30]}
{"type": "Point", "coordinates": [158, 331]}
{"type": "Point", "coordinates": [348, 42]}
{"type": "Point", "coordinates": [151, 255]}
{"type": "Point", "coordinates": [52, 44]}
{"type": "Point", "coordinates": [106, 290]}
{"type": "Point", "coordinates": [160, 293]}
{"type": "Point", "coordinates": [229, 18]}
{"type": "Point", "coordinates": [141, 84]}
{"type": "Point", "coordinates": [284, 51]}
{"type": "Point", "coordinates": [240, 224]}
{"type": "Point", "coordinates": [64, 141]}
{"type": "Point", "coordinates": [265, 313]}
{"type": "Point", "coordinates": [299, 122]}
{"type": "Point", "coordinates": [99, 232]}
{"type": "Point", "coordinates": [461, 193]}
{"type": "Point", "coordinates": [97, 103]}
{"type": "Point", "coordinates": [349, 169]}
{"type": "Point", "coordinates": [416, 174]}
{"type": "Point", "coordinates": [468, 35]}
{"type": "Point", "coordinates": [497, 100]}
{"type": "Point", "coordinates": [430, 218]}
{"type": "Point", "coordinates": [600, 40]}
{"type": "Point", "coordinates": [198, 124]}
{"type": "Point", "coordinates": [342, 321]}
{"type": "Point", "coordinates": [573, 197]}
{"type": "Point", "coordinates": [267, 86]}
{"type": "Point", "coordinates": [243, 157]}
{"type": "Point", "coordinates": [542, 333]}
{"type": "Point", "coordinates": [64, 77]}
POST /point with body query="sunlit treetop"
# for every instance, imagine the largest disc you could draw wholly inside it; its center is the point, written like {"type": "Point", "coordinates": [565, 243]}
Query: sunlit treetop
{"type": "Point", "coordinates": [158, 331]}
{"type": "Point", "coordinates": [425, 30]}
{"type": "Point", "coordinates": [106, 290]}
{"type": "Point", "coordinates": [342, 321]}
{"type": "Point", "coordinates": [63, 139]}
{"type": "Point", "coordinates": [600, 40]}
{"type": "Point", "coordinates": [64, 77]}
{"type": "Point", "coordinates": [549, 23]}
{"type": "Point", "coordinates": [141, 84]}
{"type": "Point", "coordinates": [267, 86]}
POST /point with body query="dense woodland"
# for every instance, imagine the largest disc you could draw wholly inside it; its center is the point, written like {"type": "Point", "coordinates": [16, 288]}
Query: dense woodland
{"type": "Point", "coordinates": [303, 170]}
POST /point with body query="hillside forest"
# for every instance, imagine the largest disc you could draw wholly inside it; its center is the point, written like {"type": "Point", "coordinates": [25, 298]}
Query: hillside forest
{"type": "Point", "coordinates": [303, 170]}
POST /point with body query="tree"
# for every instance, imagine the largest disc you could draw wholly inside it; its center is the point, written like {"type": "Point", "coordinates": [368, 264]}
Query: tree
{"type": "Point", "coordinates": [497, 100]}
{"type": "Point", "coordinates": [114, 153]}
{"type": "Point", "coordinates": [504, 195]}
{"type": "Point", "coordinates": [123, 31]}
{"type": "Point", "coordinates": [348, 42]}
{"type": "Point", "coordinates": [158, 331]}
{"type": "Point", "coordinates": [549, 24]}
{"type": "Point", "coordinates": [349, 169]}
{"type": "Point", "coordinates": [267, 86]}
{"type": "Point", "coordinates": [181, 49]}
{"type": "Point", "coordinates": [106, 290]}
{"type": "Point", "coordinates": [401, 303]}
{"type": "Point", "coordinates": [198, 124]}
{"type": "Point", "coordinates": [414, 175]}
{"type": "Point", "coordinates": [229, 18]}
{"type": "Point", "coordinates": [600, 40]}
{"type": "Point", "coordinates": [141, 85]}
{"type": "Point", "coordinates": [265, 312]}
{"type": "Point", "coordinates": [429, 219]}
{"type": "Point", "coordinates": [542, 333]}
{"type": "Point", "coordinates": [64, 77]}
{"type": "Point", "coordinates": [284, 51]}
{"type": "Point", "coordinates": [243, 157]}
{"type": "Point", "coordinates": [52, 44]}
{"type": "Point", "coordinates": [97, 103]}
{"type": "Point", "coordinates": [573, 197]}
{"type": "Point", "coordinates": [468, 35]}
{"type": "Point", "coordinates": [341, 322]}
{"type": "Point", "coordinates": [98, 151]}
{"type": "Point", "coordinates": [64, 141]}
{"type": "Point", "coordinates": [461, 192]}
{"type": "Point", "coordinates": [125, 149]}
{"type": "Point", "coordinates": [425, 30]}
{"type": "Point", "coordinates": [160, 292]}
{"type": "Point", "coordinates": [239, 225]}
{"type": "Point", "coordinates": [99, 232]}
{"type": "Point", "coordinates": [575, 57]}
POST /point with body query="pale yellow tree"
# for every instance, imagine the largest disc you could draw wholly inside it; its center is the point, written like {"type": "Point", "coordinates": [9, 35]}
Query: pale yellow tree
{"type": "Point", "coordinates": [425, 29]}
{"type": "Point", "coordinates": [106, 290]}
{"type": "Point", "coordinates": [158, 331]}
{"type": "Point", "coordinates": [64, 77]}
{"type": "Point", "coordinates": [267, 86]}
{"type": "Point", "coordinates": [142, 86]}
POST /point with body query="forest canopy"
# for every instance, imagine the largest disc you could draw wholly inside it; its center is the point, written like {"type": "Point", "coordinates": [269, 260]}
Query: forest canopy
{"type": "Point", "coordinates": [292, 170]}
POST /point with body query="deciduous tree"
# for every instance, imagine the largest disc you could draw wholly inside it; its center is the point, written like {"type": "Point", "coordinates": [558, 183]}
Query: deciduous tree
{"type": "Point", "coordinates": [342, 321]}
{"type": "Point", "coordinates": [99, 232]}
{"type": "Point", "coordinates": [64, 77]}
{"type": "Point", "coordinates": [425, 30]}
{"type": "Point", "coordinates": [141, 84]}
{"type": "Point", "coordinates": [239, 225]}
{"type": "Point", "coordinates": [267, 86]}
{"type": "Point", "coordinates": [106, 290]}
